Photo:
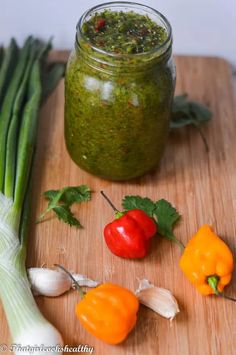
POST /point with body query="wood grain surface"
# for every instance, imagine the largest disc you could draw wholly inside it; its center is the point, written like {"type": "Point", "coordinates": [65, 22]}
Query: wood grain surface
{"type": "Point", "coordinates": [203, 188]}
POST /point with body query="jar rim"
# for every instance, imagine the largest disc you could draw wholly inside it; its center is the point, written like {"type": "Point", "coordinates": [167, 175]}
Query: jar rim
{"type": "Point", "coordinates": [157, 49]}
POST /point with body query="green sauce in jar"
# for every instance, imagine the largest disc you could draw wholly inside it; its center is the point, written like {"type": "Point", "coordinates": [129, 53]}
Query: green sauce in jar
{"type": "Point", "coordinates": [118, 90]}
{"type": "Point", "coordinates": [123, 32]}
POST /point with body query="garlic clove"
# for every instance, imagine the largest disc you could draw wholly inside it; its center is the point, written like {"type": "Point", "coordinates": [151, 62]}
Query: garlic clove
{"type": "Point", "coordinates": [158, 299]}
{"type": "Point", "coordinates": [47, 282]}
{"type": "Point", "coordinates": [53, 283]}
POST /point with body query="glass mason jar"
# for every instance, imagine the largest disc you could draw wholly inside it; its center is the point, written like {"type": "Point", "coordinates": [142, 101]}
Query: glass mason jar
{"type": "Point", "coordinates": [117, 106]}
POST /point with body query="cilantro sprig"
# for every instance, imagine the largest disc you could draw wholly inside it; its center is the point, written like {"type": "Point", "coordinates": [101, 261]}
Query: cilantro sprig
{"type": "Point", "coordinates": [165, 215]}
{"type": "Point", "coordinates": [185, 113]}
{"type": "Point", "coordinates": [60, 202]}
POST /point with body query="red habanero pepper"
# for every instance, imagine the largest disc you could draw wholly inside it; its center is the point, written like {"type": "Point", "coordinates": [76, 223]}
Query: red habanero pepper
{"type": "Point", "coordinates": [128, 236]}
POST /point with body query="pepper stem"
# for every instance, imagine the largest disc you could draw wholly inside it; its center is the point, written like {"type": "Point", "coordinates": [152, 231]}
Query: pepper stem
{"type": "Point", "coordinates": [213, 283]}
{"type": "Point", "coordinates": [109, 201]}
{"type": "Point", "coordinates": [118, 214]}
{"type": "Point", "coordinates": [78, 287]}
{"type": "Point", "coordinates": [172, 237]}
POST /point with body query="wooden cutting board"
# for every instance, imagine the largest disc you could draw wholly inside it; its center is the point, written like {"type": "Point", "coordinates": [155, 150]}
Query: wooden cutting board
{"type": "Point", "coordinates": [202, 187]}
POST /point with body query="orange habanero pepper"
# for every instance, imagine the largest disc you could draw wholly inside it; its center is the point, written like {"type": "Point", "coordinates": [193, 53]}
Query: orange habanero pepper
{"type": "Point", "coordinates": [109, 312]}
{"type": "Point", "coordinates": [207, 262]}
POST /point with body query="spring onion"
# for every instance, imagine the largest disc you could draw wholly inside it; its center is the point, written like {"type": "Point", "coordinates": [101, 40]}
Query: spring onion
{"type": "Point", "coordinates": [23, 92]}
{"type": "Point", "coordinates": [8, 60]}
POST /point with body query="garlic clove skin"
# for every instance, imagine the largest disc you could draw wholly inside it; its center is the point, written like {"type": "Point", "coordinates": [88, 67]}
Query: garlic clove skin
{"type": "Point", "coordinates": [53, 283]}
{"type": "Point", "coordinates": [84, 281]}
{"type": "Point", "coordinates": [158, 299]}
{"type": "Point", "coordinates": [47, 282]}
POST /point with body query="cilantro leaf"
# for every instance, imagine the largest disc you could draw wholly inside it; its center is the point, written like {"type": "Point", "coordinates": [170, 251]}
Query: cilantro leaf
{"type": "Point", "coordinates": [76, 194]}
{"type": "Point", "coordinates": [137, 202]}
{"type": "Point", "coordinates": [166, 216]}
{"type": "Point", "coordinates": [64, 214]}
{"type": "Point", "coordinates": [50, 194]}
{"type": "Point", "coordinates": [61, 200]}
{"type": "Point", "coordinates": [186, 113]}
{"type": "Point", "coordinates": [70, 195]}
{"type": "Point", "coordinates": [55, 197]}
{"type": "Point", "coordinates": [162, 211]}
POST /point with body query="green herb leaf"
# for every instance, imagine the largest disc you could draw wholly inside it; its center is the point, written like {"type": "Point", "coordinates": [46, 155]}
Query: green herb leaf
{"type": "Point", "coordinates": [162, 211]}
{"type": "Point", "coordinates": [166, 216]}
{"type": "Point", "coordinates": [137, 202]}
{"type": "Point", "coordinates": [64, 214]}
{"type": "Point", "coordinates": [186, 113]}
{"type": "Point", "coordinates": [50, 194]}
{"type": "Point", "coordinates": [61, 200]}
{"type": "Point", "coordinates": [70, 195]}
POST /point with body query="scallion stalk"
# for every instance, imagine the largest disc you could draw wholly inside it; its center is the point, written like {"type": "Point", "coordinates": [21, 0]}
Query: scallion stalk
{"type": "Point", "coordinates": [18, 128]}
{"type": "Point", "coordinates": [7, 106]}
{"type": "Point", "coordinates": [14, 126]}
{"type": "Point", "coordinates": [8, 61]}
